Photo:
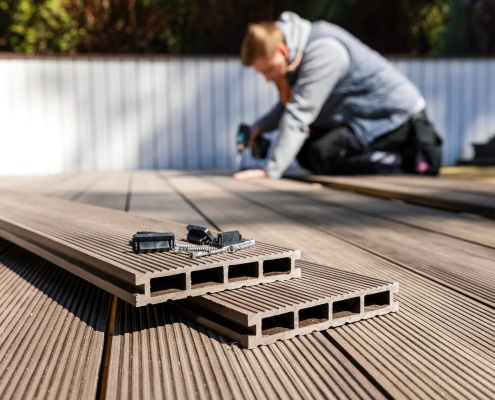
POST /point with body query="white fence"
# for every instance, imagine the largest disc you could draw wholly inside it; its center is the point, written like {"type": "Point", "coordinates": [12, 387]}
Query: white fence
{"type": "Point", "coordinates": [107, 113]}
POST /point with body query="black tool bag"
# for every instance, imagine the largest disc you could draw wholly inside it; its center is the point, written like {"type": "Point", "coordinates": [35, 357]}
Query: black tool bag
{"type": "Point", "coordinates": [423, 154]}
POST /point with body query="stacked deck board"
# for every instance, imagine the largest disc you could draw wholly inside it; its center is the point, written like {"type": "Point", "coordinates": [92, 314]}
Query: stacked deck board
{"type": "Point", "coordinates": [322, 298]}
{"type": "Point", "coordinates": [93, 243]}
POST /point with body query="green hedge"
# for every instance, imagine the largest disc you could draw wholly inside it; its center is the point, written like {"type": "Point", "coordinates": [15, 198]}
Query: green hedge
{"type": "Point", "coordinates": [421, 27]}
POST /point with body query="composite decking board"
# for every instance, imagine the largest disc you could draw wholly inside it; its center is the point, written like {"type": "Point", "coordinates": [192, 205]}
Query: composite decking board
{"type": "Point", "coordinates": [158, 354]}
{"type": "Point", "coordinates": [420, 359]}
{"type": "Point", "coordinates": [109, 190]}
{"type": "Point", "coordinates": [11, 181]}
{"type": "Point", "coordinates": [152, 196]}
{"type": "Point", "coordinates": [474, 202]}
{"type": "Point", "coordinates": [52, 329]}
{"type": "Point", "coordinates": [323, 297]}
{"type": "Point", "coordinates": [31, 184]}
{"type": "Point", "coordinates": [73, 186]}
{"type": "Point", "coordinates": [98, 238]}
{"type": "Point", "coordinates": [437, 339]}
{"type": "Point", "coordinates": [438, 184]}
{"type": "Point", "coordinates": [447, 319]}
{"type": "Point", "coordinates": [65, 186]}
{"type": "Point", "coordinates": [466, 267]}
{"type": "Point", "coordinates": [465, 227]}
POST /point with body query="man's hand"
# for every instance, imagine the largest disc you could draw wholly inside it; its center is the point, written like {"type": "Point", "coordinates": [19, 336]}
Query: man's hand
{"type": "Point", "coordinates": [250, 174]}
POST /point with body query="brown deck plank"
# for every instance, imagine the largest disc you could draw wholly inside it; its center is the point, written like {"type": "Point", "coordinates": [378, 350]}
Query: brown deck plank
{"type": "Point", "coordinates": [52, 329]}
{"type": "Point", "coordinates": [458, 328]}
{"type": "Point", "coordinates": [439, 344]}
{"type": "Point", "coordinates": [95, 240]}
{"type": "Point", "coordinates": [440, 183]}
{"type": "Point", "coordinates": [158, 354]}
{"type": "Point", "coordinates": [468, 197]}
{"type": "Point", "coordinates": [110, 190]}
{"type": "Point", "coordinates": [152, 196]}
{"type": "Point", "coordinates": [466, 227]}
{"type": "Point", "coordinates": [464, 266]}
{"type": "Point", "coordinates": [31, 183]}
{"type": "Point", "coordinates": [322, 298]}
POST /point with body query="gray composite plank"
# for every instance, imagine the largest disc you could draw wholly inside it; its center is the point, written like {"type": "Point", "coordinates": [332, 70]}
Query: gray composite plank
{"type": "Point", "coordinates": [438, 344]}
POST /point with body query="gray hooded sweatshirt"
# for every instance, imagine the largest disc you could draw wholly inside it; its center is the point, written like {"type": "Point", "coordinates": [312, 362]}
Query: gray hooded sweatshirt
{"type": "Point", "coordinates": [339, 80]}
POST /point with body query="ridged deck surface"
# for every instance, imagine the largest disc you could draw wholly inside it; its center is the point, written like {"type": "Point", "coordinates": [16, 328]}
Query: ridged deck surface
{"type": "Point", "coordinates": [439, 345]}
{"type": "Point", "coordinates": [52, 329]}
{"type": "Point", "coordinates": [93, 242]}
{"type": "Point", "coordinates": [158, 354]}
{"type": "Point", "coordinates": [449, 194]}
{"type": "Point", "coordinates": [323, 297]}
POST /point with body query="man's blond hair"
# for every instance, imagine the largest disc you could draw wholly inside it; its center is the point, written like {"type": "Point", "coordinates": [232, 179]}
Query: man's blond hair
{"type": "Point", "coordinates": [261, 40]}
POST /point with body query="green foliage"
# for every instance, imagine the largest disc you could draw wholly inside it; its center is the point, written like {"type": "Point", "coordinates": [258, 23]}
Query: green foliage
{"type": "Point", "coordinates": [390, 26]}
{"type": "Point", "coordinates": [42, 27]}
{"type": "Point", "coordinates": [421, 27]}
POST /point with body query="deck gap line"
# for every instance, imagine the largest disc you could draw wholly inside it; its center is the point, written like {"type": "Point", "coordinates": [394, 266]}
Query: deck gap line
{"type": "Point", "coordinates": [128, 195]}
{"type": "Point", "coordinates": [107, 350]}
{"type": "Point", "coordinates": [191, 203]}
{"type": "Point", "coordinates": [357, 365]}
{"type": "Point", "coordinates": [81, 192]}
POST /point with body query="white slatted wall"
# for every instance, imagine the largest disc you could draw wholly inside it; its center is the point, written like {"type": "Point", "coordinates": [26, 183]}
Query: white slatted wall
{"type": "Point", "coordinates": [79, 114]}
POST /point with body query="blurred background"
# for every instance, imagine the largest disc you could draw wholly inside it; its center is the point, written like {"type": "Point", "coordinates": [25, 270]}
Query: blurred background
{"type": "Point", "coordinates": [126, 84]}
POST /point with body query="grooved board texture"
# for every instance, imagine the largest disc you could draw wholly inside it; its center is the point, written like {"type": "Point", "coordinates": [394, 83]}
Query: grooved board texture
{"type": "Point", "coordinates": [450, 194]}
{"type": "Point", "coordinates": [93, 242]}
{"type": "Point", "coordinates": [323, 297]}
{"type": "Point", "coordinates": [440, 344]}
{"type": "Point", "coordinates": [52, 329]}
{"type": "Point", "coordinates": [156, 353]}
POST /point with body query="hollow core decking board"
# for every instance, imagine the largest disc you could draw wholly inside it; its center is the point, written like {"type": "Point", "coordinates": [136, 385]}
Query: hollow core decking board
{"type": "Point", "coordinates": [52, 329]}
{"type": "Point", "coordinates": [93, 243]}
{"type": "Point", "coordinates": [473, 197]}
{"type": "Point", "coordinates": [322, 298]}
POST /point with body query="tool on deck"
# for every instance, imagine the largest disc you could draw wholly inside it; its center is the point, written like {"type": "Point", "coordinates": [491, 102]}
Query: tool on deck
{"type": "Point", "coordinates": [204, 243]}
{"type": "Point", "coordinates": [258, 151]}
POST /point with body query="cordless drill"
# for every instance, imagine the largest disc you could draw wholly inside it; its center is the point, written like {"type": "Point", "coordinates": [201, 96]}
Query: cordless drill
{"type": "Point", "coordinates": [260, 148]}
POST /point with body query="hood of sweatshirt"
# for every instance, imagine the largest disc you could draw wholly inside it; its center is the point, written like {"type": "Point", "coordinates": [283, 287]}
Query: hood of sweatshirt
{"type": "Point", "coordinates": [296, 31]}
